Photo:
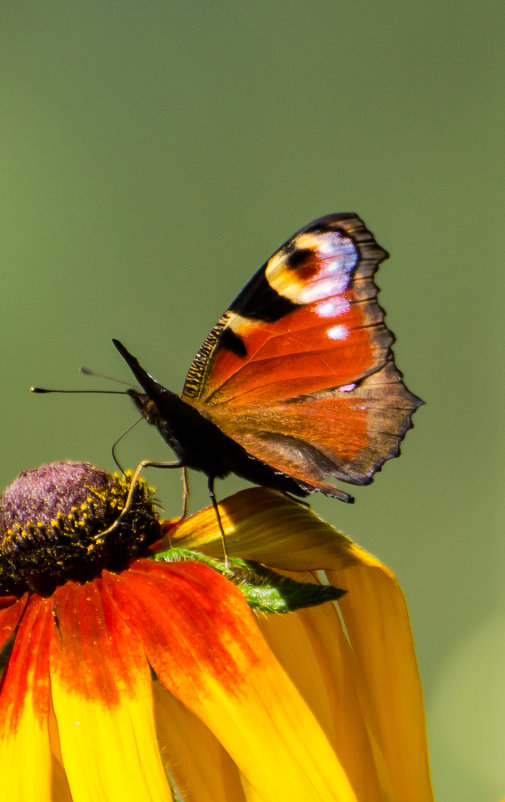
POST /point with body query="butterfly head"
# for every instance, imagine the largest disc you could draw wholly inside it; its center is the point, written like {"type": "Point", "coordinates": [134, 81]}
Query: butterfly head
{"type": "Point", "coordinates": [145, 405]}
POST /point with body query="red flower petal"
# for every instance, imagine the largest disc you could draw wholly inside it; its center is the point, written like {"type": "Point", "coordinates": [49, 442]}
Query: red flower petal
{"type": "Point", "coordinates": [11, 610]}
{"type": "Point", "coordinates": [24, 707]}
{"type": "Point", "coordinates": [187, 616]}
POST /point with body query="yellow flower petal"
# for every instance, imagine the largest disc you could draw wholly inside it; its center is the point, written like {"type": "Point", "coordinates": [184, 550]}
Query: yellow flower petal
{"type": "Point", "coordinates": [377, 623]}
{"type": "Point", "coordinates": [101, 690]}
{"type": "Point", "coordinates": [312, 646]}
{"type": "Point", "coordinates": [273, 737]}
{"type": "Point", "coordinates": [25, 759]}
{"type": "Point", "coordinates": [25, 756]}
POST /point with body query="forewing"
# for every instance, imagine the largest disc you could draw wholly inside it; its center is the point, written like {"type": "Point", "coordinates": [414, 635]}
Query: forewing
{"type": "Point", "coordinates": [299, 370]}
{"type": "Point", "coordinates": [307, 321]}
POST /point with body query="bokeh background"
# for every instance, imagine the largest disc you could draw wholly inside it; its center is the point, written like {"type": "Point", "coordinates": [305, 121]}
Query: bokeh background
{"type": "Point", "coordinates": [154, 154]}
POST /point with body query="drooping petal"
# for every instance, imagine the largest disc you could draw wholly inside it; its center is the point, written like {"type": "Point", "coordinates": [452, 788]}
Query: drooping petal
{"type": "Point", "coordinates": [203, 643]}
{"type": "Point", "coordinates": [312, 646]}
{"type": "Point", "coordinates": [377, 623]}
{"type": "Point", "coordinates": [101, 688]}
{"type": "Point", "coordinates": [25, 756]}
{"type": "Point", "coordinates": [264, 525]}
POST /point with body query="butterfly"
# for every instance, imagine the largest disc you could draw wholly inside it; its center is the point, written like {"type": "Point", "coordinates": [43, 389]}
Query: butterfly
{"type": "Point", "coordinates": [296, 383]}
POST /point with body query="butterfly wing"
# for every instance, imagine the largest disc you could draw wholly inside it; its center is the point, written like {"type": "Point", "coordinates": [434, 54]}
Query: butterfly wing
{"type": "Point", "coordinates": [299, 370]}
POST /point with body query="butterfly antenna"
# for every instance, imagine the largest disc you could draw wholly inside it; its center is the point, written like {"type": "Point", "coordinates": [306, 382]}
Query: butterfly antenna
{"type": "Point", "coordinates": [88, 372]}
{"type": "Point", "coordinates": [219, 521]}
{"type": "Point", "coordinates": [53, 390]}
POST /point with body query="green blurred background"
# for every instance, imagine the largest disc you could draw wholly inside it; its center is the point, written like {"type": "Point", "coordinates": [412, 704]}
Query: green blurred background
{"type": "Point", "coordinates": [154, 154]}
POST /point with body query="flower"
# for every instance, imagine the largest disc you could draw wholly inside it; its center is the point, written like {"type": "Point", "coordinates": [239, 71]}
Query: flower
{"type": "Point", "coordinates": [132, 672]}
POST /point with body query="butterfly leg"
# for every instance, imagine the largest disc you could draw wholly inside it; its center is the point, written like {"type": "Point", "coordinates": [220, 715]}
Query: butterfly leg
{"type": "Point", "coordinates": [185, 493]}
{"type": "Point", "coordinates": [129, 499]}
{"type": "Point", "coordinates": [218, 516]}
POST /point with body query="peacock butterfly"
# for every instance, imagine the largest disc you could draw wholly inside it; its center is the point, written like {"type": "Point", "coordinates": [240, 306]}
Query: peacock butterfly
{"type": "Point", "coordinates": [296, 382]}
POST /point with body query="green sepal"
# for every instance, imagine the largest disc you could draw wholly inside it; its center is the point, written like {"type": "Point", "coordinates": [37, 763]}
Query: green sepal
{"type": "Point", "coordinates": [264, 589]}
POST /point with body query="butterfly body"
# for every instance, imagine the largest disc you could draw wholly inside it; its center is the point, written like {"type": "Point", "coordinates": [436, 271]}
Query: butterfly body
{"type": "Point", "coordinates": [296, 382]}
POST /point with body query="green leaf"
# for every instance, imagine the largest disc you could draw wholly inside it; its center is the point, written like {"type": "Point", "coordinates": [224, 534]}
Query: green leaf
{"type": "Point", "coordinates": [264, 589]}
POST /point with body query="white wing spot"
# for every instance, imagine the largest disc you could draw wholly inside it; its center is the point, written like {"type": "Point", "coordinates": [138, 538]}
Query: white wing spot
{"type": "Point", "coordinates": [333, 307]}
{"type": "Point", "coordinates": [339, 332]}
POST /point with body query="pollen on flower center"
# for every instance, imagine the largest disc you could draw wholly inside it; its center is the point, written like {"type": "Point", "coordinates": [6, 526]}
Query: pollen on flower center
{"type": "Point", "coordinates": [51, 520]}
